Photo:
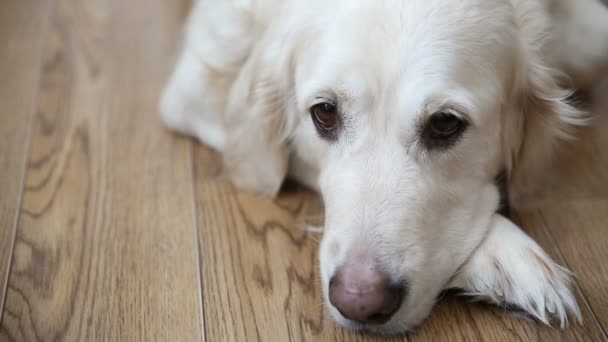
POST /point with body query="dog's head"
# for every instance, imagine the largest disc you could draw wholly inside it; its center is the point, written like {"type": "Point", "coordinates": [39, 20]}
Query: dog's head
{"type": "Point", "coordinates": [411, 109]}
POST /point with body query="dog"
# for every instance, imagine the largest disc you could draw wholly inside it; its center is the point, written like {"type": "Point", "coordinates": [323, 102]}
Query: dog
{"type": "Point", "coordinates": [402, 115]}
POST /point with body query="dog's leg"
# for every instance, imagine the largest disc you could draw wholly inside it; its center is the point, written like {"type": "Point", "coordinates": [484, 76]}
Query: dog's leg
{"type": "Point", "coordinates": [192, 104]}
{"type": "Point", "coordinates": [219, 36]}
{"type": "Point", "coordinates": [511, 269]}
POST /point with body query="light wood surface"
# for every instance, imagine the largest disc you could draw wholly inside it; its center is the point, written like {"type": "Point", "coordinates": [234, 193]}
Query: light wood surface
{"type": "Point", "coordinates": [106, 247]}
{"type": "Point", "coordinates": [20, 60]}
{"type": "Point", "coordinates": [129, 233]}
{"type": "Point", "coordinates": [581, 237]}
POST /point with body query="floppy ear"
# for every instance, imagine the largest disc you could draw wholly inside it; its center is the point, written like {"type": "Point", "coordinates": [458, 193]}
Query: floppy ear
{"type": "Point", "coordinates": [540, 118]}
{"type": "Point", "coordinates": [258, 121]}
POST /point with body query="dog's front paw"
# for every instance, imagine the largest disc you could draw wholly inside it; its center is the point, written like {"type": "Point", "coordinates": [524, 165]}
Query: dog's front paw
{"type": "Point", "coordinates": [510, 269]}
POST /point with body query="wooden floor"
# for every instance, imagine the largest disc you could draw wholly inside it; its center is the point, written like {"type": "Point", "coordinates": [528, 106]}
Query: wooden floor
{"type": "Point", "coordinates": [113, 229]}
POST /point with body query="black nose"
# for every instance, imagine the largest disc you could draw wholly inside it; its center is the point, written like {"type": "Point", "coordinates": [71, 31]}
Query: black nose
{"type": "Point", "coordinates": [365, 294]}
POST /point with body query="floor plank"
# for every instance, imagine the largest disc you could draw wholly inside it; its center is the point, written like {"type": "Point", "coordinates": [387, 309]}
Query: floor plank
{"type": "Point", "coordinates": [20, 60]}
{"type": "Point", "coordinates": [260, 277]}
{"type": "Point", "coordinates": [582, 238]}
{"type": "Point", "coordinates": [106, 247]}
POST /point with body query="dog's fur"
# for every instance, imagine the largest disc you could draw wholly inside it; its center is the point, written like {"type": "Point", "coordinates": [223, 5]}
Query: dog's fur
{"type": "Point", "coordinates": [250, 70]}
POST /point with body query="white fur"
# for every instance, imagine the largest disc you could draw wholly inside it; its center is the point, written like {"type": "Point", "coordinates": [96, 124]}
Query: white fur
{"type": "Point", "coordinates": [251, 69]}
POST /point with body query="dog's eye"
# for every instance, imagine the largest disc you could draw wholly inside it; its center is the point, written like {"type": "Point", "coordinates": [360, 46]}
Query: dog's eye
{"type": "Point", "coordinates": [442, 130]}
{"type": "Point", "coordinates": [325, 117]}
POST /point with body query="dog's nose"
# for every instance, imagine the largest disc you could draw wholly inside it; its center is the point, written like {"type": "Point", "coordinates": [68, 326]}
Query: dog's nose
{"type": "Point", "coordinates": [363, 293]}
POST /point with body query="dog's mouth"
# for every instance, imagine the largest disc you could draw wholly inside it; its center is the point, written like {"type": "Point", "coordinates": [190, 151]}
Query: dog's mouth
{"type": "Point", "coordinates": [375, 328]}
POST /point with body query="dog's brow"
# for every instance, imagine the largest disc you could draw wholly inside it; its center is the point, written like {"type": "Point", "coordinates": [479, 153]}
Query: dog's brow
{"type": "Point", "coordinates": [459, 109]}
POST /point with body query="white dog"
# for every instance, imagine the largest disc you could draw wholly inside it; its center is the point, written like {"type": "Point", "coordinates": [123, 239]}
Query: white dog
{"type": "Point", "coordinates": [401, 114]}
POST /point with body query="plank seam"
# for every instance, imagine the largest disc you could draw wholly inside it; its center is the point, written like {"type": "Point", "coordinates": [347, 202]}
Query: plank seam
{"type": "Point", "coordinates": [33, 115]}
{"type": "Point", "coordinates": [198, 241]}
{"type": "Point", "coordinates": [549, 235]}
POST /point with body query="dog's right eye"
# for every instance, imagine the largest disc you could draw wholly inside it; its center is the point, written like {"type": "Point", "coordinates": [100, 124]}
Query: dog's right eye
{"type": "Point", "coordinates": [443, 130]}
{"type": "Point", "coordinates": [326, 120]}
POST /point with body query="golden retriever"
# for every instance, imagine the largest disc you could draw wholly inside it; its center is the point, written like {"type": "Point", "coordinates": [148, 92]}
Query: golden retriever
{"type": "Point", "coordinates": [403, 115]}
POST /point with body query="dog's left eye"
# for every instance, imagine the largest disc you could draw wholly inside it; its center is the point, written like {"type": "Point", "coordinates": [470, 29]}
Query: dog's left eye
{"type": "Point", "coordinates": [325, 117]}
{"type": "Point", "coordinates": [442, 130]}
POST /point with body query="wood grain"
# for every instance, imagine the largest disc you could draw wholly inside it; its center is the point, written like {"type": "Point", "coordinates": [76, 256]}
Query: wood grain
{"type": "Point", "coordinates": [20, 60]}
{"type": "Point", "coordinates": [580, 229]}
{"type": "Point", "coordinates": [106, 248]}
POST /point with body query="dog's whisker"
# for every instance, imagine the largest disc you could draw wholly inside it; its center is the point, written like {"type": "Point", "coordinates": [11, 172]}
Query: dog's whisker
{"type": "Point", "coordinates": [314, 239]}
{"type": "Point", "coordinates": [311, 229]}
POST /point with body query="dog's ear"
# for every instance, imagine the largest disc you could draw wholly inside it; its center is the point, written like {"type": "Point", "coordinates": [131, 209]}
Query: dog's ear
{"type": "Point", "coordinates": [258, 121]}
{"type": "Point", "coordinates": [541, 117]}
